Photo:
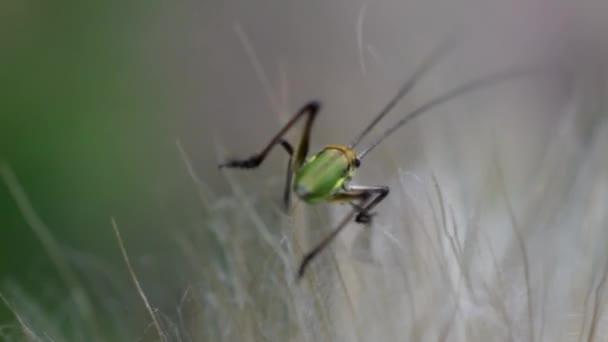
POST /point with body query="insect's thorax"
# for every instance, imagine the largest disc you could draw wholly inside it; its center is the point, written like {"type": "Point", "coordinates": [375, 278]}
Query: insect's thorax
{"type": "Point", "coordinates": [324, 173]}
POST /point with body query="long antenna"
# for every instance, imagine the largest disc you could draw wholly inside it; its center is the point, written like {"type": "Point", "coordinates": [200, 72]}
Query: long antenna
{"type": "Point", "coordinates": [471, 86]}
{"type": "Point", "coordinates": [435, 56]}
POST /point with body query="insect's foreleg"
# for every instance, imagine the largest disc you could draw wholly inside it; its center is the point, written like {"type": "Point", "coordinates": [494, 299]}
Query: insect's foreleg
{"type": "Point", "coordinates": [367, 196]}
{"type": "Point", "coordinates": [308, 257]}
{"type": "Point", "coordinates": [310, 110]}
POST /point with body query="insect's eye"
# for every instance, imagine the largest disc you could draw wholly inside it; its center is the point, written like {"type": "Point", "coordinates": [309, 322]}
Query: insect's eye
{"type": "Point", "coordinates": [357, 162]}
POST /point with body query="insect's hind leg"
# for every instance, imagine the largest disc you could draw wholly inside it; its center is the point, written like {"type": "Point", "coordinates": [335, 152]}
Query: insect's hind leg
{"type": "Point", "coordinates": [310, 110]}
{"type": "Point", "coordinates": [289, 176]}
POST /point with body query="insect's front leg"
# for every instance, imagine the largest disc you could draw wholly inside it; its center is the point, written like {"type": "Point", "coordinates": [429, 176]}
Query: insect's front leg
{"type": "Point", "coordinates": [367, 197]}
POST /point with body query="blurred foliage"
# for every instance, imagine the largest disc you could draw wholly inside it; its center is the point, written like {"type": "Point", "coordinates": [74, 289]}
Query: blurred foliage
{"type": "Point", "coordinates": [82, 125]}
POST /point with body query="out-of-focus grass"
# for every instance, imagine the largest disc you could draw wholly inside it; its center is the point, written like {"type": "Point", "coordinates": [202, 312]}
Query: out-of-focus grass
{"type": "Point", "coordinates": [81, 128]}
{"type": "Point", "coordinates": [519, 263]}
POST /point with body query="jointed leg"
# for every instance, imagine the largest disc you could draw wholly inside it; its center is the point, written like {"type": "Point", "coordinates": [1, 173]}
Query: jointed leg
{"type": "Point", "coordinates": [310, 110]}
{"type": "Point", "coordinates": [321, 245]}
{"type": "Point", "coordinates": [362, 194]}
{"type": "Point", "coordinates": [365, 197]}
{"type": "Point", "coordinates": [287, 190]}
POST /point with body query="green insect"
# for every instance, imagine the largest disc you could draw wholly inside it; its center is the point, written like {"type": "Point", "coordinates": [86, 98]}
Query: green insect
{"type": "Point", "coordinates": [325, 176]}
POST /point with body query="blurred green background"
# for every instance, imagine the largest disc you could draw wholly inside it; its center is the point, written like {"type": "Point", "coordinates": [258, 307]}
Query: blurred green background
{"type": "Point", "coordinates": [83, 125]}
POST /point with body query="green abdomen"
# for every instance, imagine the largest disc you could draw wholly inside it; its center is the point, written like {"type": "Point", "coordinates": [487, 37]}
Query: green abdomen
{"type": "Point", "coordinates": [322, 175]}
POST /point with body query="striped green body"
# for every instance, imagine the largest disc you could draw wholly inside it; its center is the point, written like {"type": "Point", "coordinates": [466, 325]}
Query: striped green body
{"type": "Point", "coordinates": [324, 174]}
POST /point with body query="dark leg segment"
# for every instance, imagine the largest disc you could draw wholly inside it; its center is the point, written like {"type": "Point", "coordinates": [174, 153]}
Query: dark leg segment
{"type": "Point", "coordinates": [310, 110]}
{"type": "Point", "coordinates": [321, 245]}
{"type": "Point", "coordinates": [365, 196]}
{"type": "Point", "coordinates": [287, 190]}
{"type": "Point", "coordinates": [362, 194]}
